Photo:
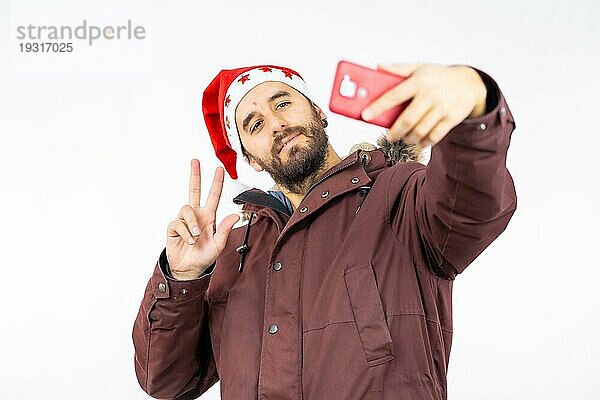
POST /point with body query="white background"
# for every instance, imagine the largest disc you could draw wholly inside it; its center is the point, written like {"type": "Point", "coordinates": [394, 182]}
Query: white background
{"type": "Point", "coordinates": [94, 163]}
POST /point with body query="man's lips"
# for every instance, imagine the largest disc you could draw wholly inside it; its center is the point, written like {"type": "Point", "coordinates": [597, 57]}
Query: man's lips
{"type": "Point", "coordinates": [286, 140]}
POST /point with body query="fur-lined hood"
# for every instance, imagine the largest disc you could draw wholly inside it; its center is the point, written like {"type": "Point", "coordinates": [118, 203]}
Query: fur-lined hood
{"type": "Point", "coordinates": [394, 151]}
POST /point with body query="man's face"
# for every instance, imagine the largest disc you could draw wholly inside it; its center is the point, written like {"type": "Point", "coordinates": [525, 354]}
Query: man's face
{"type": "Point", "coordinates": [282, 133]}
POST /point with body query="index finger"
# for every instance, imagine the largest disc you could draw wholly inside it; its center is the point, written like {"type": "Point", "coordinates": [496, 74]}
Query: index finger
{"type": "Point", "coordinates": [400, 93]}
{"type": "Point", "coordinates": [195, 182]}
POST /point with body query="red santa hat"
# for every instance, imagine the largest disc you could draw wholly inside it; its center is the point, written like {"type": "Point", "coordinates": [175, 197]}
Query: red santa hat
{"type": "Point", "coordinates": [220, 100]}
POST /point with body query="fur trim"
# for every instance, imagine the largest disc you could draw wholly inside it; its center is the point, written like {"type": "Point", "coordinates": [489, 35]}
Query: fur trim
{"type": "Point", "coordinates": [399, 151]}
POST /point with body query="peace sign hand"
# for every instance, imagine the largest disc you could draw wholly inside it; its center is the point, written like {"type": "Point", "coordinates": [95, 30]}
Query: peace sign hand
{"type": "Point", "coordinates": [193, 243]}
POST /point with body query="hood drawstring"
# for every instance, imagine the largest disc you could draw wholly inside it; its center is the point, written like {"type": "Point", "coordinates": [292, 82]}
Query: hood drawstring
{"type": "Point", "coordinates": [364, 190]}
{"type": "Point", "coordinates": [244, 248]}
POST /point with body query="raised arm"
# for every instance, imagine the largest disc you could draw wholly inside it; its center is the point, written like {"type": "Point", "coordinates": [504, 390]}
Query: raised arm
{"type": "Point", "coordinates": [465, 196]}
{"type": "Point", "coordinates": [171, 335]}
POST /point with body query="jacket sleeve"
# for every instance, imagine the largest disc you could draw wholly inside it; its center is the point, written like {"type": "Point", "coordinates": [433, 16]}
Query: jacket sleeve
{"type": "Point", "coordinates": [465, 196]}
{"type": "Point", "coordinates": [171, 337]}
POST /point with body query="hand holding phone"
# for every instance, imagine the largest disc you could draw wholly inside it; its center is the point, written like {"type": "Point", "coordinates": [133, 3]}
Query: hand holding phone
{"type": "Point", "coordinates": [356, 86]}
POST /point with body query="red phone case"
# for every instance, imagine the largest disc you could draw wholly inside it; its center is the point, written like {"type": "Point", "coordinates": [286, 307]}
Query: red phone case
{"type": "Point", "coordinates": [355, 87]}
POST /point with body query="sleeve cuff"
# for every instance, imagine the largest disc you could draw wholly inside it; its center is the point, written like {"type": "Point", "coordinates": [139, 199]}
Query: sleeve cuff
{"type": "Point", "coordinates": [165, 286]}
{"type": "Point", "coordinates": [497, 112]}
{"type": "Point", "coordinates": [492, 99]}
{"type": "Point", "coordinates": [166, 270]}
{"type": "Point", "coordinates": [489, 132]}
{"type": "Point", "coordinates": [493, 94]}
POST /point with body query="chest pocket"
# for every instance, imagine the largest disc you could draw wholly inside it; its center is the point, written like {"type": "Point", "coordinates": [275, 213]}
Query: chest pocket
{"type": "Point", "coordinates": [369, 317]}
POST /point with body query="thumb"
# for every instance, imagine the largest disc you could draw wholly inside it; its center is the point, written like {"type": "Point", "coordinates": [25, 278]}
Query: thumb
{"type": "Point", "coordinates": [405, 69]}
{"type": "Point", "coordinates": [224, 230]}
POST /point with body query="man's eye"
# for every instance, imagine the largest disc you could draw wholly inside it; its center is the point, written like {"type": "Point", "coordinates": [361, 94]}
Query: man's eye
{"type": "Point", "coordinates": [256, 124]}
{"type": "Point", "coordinates": [283, 103]}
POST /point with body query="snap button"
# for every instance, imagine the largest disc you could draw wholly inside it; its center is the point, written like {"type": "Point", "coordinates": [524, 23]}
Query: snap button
{"type": "Point", "coordinates": [277, 266]}
{"type": "Point", "coordinates": [365, 158]}
{"type": "Point", "coordinates": [183, 291]}
{"type": "Point", "coordinates": [354, 180]}
{"type": "Point", "coordinates": [502, 110]}
{"type": "Point", "coordinates": [482, 126]}
{"type": "Point", "coordinates": [304, 209]}
{"type": "Point", "coordinates": [273, 329]}
{"type": "Point", "coordinates": [162, 287]}
{"type": "Point", "coordinates": [325, 193]}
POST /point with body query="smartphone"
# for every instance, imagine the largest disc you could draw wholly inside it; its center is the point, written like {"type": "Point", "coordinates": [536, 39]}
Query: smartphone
{"type": "Point", "coordinates": [356, 86]}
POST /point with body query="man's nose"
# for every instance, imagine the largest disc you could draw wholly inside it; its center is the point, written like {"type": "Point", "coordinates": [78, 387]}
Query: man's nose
{"type": "Point", "coordinates": [277, 125]}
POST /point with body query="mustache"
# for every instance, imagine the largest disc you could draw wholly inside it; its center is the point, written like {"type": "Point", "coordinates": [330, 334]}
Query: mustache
{"type": "Point", "coordinates": [286, 133]}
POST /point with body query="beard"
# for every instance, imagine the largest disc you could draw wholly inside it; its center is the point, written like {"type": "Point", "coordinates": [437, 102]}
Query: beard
{"type": "Point", "coordinates": [304, 161]}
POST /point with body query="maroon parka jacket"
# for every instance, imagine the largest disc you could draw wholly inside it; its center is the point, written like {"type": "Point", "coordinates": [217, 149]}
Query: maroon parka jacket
{"type": "Point", "coordinates": [336, 301]}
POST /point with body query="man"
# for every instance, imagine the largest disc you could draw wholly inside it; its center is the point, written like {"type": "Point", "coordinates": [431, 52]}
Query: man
{"type": "Point", "coordinates": [339, 286]}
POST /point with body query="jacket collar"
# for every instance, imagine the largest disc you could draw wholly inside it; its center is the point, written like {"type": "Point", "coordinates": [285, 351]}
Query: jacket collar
{"type": "Point", "coordinates": [349, 174]}
{"type": "Point", "coordinates": [259, 198]}
{"type": "Point", "coordinates": [355, 171]}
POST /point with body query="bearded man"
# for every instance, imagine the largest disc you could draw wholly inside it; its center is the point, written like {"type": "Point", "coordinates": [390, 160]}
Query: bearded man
{"type": "Point", "coordinates": [340, 284]}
